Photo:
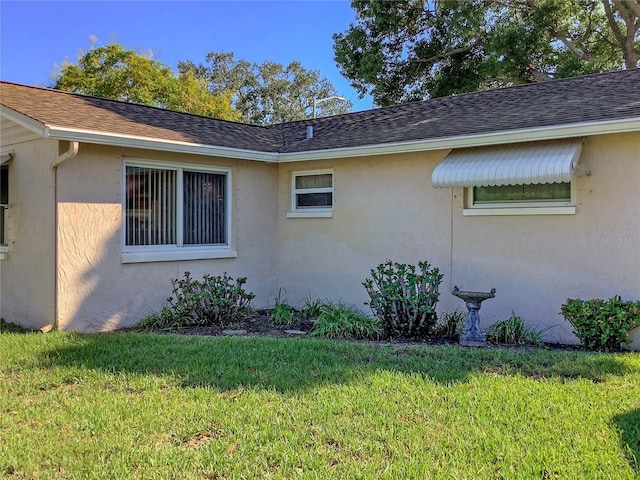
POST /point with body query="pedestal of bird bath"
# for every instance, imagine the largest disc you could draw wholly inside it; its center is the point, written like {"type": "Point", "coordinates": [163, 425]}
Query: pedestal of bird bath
{"type": "Point", "coordinates": [472, 335]}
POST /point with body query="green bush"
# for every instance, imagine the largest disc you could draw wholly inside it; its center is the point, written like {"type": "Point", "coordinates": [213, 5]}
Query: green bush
{"type": "Point", "coordinates": [450, 325]}
{"type": "Point", "coordinates": [282, 313]}
{"type": "Point", "coordinates": [513, 331]}
{"type": "Point", "coordinates": [311, 308]}
{"type": "Point", "coordinates": [602, 324]}
{"type": "Point", "coordinates": [219, 300]}
{"type": "Point", "coordinates": [403, 299]}
{"type": "Point", "coordinates": [337, 320]}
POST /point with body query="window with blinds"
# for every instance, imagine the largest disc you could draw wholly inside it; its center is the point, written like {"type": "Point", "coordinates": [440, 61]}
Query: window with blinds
{"type": "Point", "coordinates": [313, 190]}
{"type": "Point", "coordinates": [175, 206]}
{"type": "Point", "coordinates": [4, 204]}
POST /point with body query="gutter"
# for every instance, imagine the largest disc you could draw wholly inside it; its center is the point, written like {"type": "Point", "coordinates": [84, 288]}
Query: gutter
{"type": "Point", "coordinates": [63, 156]}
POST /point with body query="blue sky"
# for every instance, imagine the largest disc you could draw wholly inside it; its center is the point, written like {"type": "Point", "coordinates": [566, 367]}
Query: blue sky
{"type": "Point", "coordinates": [37, 36]}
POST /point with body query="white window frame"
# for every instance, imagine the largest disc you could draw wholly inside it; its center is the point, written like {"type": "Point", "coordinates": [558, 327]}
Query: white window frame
{"type": "Point", "coordinates": [311, 212]}
{"type": "Point", "coordinates": [179, 251]}
{"type": "Point", "coordinates": [4, 210]}
{"type": "Point", "coordinates": [547, 207]}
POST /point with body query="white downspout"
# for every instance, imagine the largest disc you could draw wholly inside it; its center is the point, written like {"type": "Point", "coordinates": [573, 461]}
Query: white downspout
{"type": "Point", "coordinates": [68, 154]}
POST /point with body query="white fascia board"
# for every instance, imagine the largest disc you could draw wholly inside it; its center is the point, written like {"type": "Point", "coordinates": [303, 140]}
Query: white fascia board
{"type": "Point", "coordinates": [23, 120]}
{"type": "Point", "coordinates": [89, 136]}
{"type": "Point", "coordinates": [464, 141]}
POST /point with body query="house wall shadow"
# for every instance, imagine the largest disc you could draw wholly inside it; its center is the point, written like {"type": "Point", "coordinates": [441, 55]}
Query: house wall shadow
{"type": "Point", "coordinates": [629, 426]}
{"type": "Point", "coordinates": [287, 365]}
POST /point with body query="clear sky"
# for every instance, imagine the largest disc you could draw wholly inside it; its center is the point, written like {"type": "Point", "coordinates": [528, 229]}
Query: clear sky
{"type": "Point", "coordinates": [37, 36]}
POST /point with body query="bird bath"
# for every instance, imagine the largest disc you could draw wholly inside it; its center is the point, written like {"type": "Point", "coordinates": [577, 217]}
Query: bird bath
{"type": "Point", "coordinates": [472, 335]}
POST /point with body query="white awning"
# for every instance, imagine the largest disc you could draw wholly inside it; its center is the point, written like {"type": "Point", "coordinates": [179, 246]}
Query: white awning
{"type": "Point", "coordinates": [515, 164]}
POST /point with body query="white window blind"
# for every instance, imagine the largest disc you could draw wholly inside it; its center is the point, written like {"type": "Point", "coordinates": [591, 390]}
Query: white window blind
{"type": "Point", "coordinates": [174, 206]}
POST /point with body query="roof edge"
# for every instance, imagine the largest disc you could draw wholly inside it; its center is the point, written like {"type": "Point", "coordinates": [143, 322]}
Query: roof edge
{"type": "Point", "coordinates": [466, 141]}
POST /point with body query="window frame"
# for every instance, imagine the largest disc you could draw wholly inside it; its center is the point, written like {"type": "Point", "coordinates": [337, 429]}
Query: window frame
{"type": "Point", "coordinates": [4, 211]}
{"type": "Point", "coordinates": [542, 207]}
{"type": "Point", "coordinates": [311, 212]}
{"type": "Point", "coordinates": [177, 251]}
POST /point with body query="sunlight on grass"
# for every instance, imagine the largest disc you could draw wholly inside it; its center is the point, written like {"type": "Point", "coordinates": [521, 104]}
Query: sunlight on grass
{"type": "Point", "coordinates": [152, 406]}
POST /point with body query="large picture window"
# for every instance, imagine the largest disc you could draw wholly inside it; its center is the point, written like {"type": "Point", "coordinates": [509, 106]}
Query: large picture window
{"type": "Point", "coordinates": [175, 208]}
{"type": "Point", "coordinates": [4, 204]}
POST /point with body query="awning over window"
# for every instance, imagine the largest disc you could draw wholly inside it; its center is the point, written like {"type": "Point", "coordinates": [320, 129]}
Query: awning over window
{"type": "Point", "coordinates": [515, 164]}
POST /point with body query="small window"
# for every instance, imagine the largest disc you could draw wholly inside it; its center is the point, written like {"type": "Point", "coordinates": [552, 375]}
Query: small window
{"type": "Point", "coordinates": [4, 205]}
{"type": "Point", "coordinates": [312, 194]}
{"type": "Point", "coordinates": [181, 211]}
{"type": "Point", "coordinates": [541, 198]}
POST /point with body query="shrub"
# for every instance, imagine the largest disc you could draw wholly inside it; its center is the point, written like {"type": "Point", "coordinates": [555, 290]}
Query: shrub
{"type": "Point", "coordinates": [450, 325]}
{"type": "Point", "coordinates": [311, 308]}
{"type": "Point", "coordinates": [513, 331]}
{"type": "Point", "coordinates": [219, 300]}
{"type": "Point", "coordinates": [404, 299]}
{"type": "Point", "coordinates": [602, 324]}
{"type": "Point", "coordinates": [337, 320]}
{"type": "Point", "coordinates": [282, 313]}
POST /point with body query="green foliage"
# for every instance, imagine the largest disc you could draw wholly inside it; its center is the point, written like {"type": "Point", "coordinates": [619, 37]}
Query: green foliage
{"type": "Point", "coordinates": [144, 406]}
{"type": "Point", "coordinates": [8, 327]}
{"type": "Point", "coordinates": [115, 73]}
{"type": "Point", "coordinates": [408, 50]}
{"type": "Point", "coordinates": [602, 324]}
{"type": "Point", "coordinates": [450, 325]}
{"type": "Point", "coordinates": [219, 300]}
{"type": "Point", "coordinates": [282, 313]}
{"type": "Point", "coordinates": [270, 92]}
{"type": "Point", "coordinates": [513, 331]}
{"type": "Point", "coordinates": [338, 320]}
{"type": "Point", "coordinates": [311, 308]}
{"type": "Point", "coordinates": [404, 299]}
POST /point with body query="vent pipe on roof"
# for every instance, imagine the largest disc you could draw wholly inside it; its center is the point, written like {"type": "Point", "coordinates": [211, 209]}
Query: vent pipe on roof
{"type": "Point", "coordinates": [309, 132]}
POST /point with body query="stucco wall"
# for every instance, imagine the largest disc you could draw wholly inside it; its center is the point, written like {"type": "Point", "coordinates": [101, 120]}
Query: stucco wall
{"type": "Point", "coordinates": [27, 274]}
{"type": "Point", "coordinates": [99, 292]}
{"type": "Point", "coordinates": [386, 207]}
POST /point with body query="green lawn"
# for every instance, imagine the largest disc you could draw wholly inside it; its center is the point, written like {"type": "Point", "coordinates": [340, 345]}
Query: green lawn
{"type": "Point", "coordinates": [143, 406]}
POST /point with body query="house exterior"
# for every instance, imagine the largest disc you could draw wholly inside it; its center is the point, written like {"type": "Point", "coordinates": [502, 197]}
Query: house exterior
{"type": "Point", "coordinates": [532, 190]}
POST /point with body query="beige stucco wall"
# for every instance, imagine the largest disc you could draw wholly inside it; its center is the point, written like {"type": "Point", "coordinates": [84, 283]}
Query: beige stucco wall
{"type": "Point", "coordinates": [96, 291]}
{"type": "Point", "coordinates": [386, 207]}
{"type": "Point", "coordinates": [27, 274]}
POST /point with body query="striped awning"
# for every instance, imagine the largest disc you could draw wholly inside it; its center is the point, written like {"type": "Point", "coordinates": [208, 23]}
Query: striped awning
{"type": "Point", "coordinates": [551, 161]}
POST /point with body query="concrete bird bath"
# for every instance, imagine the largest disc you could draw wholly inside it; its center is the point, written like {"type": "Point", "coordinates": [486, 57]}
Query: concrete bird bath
{"type": "Point", "coordinates": [472, 335]}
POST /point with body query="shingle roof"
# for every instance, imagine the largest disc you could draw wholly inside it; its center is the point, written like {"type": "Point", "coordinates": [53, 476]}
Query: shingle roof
{"type": "Point", "coordinates": [67, 110]}
{"type": "Point", "coordinates": [592, 98]}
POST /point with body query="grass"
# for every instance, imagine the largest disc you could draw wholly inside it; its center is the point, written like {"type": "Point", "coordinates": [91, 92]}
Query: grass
{"type": "Point", "coordinates": [127, 405]}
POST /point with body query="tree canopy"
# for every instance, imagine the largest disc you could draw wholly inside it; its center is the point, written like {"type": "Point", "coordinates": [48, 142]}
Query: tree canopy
{"type": "Point", "coordinates": [267, 93]}
{"type": "Point", "coordinates": [113, 72]}
{"type": "Point", "coordinates": [405, 50]}
{"type": "Point", "coordinates": [222, 87]}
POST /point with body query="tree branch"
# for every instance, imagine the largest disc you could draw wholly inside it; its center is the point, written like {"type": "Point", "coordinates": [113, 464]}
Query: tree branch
{"type": "Point", "coordinates": [448, 54]}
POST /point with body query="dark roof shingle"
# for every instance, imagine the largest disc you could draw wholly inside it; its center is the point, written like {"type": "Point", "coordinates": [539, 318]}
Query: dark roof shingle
{"type": "Point", "coordinates": [592, 98]}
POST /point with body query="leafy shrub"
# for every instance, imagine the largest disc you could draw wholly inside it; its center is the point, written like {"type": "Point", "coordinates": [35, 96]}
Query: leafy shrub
{"type": "Point", "coordinates": [337, 320]}
{"type": "Point", "coordinates": [219, 300]}
{"type": "Point", "coordinates": [282, 313]}
{"type": "Point", "coordinates": [602, 324]}
{"type": "Point", "coordinates": [311, 308]}
{"type": "Point", "coordinates": [450, 325]}
{"type": "Point", "coordinates": [404, 299]}
{"type": "Point", "coordinates": [513, 331]}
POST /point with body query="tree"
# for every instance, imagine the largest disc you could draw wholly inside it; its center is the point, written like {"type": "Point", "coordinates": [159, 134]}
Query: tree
{"type": "Point", "coordinates": [267, 93]}
{"type": "Point", "coordinates": [113, 72]}
{"type": "Point", "coordinates": [405, 50]}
